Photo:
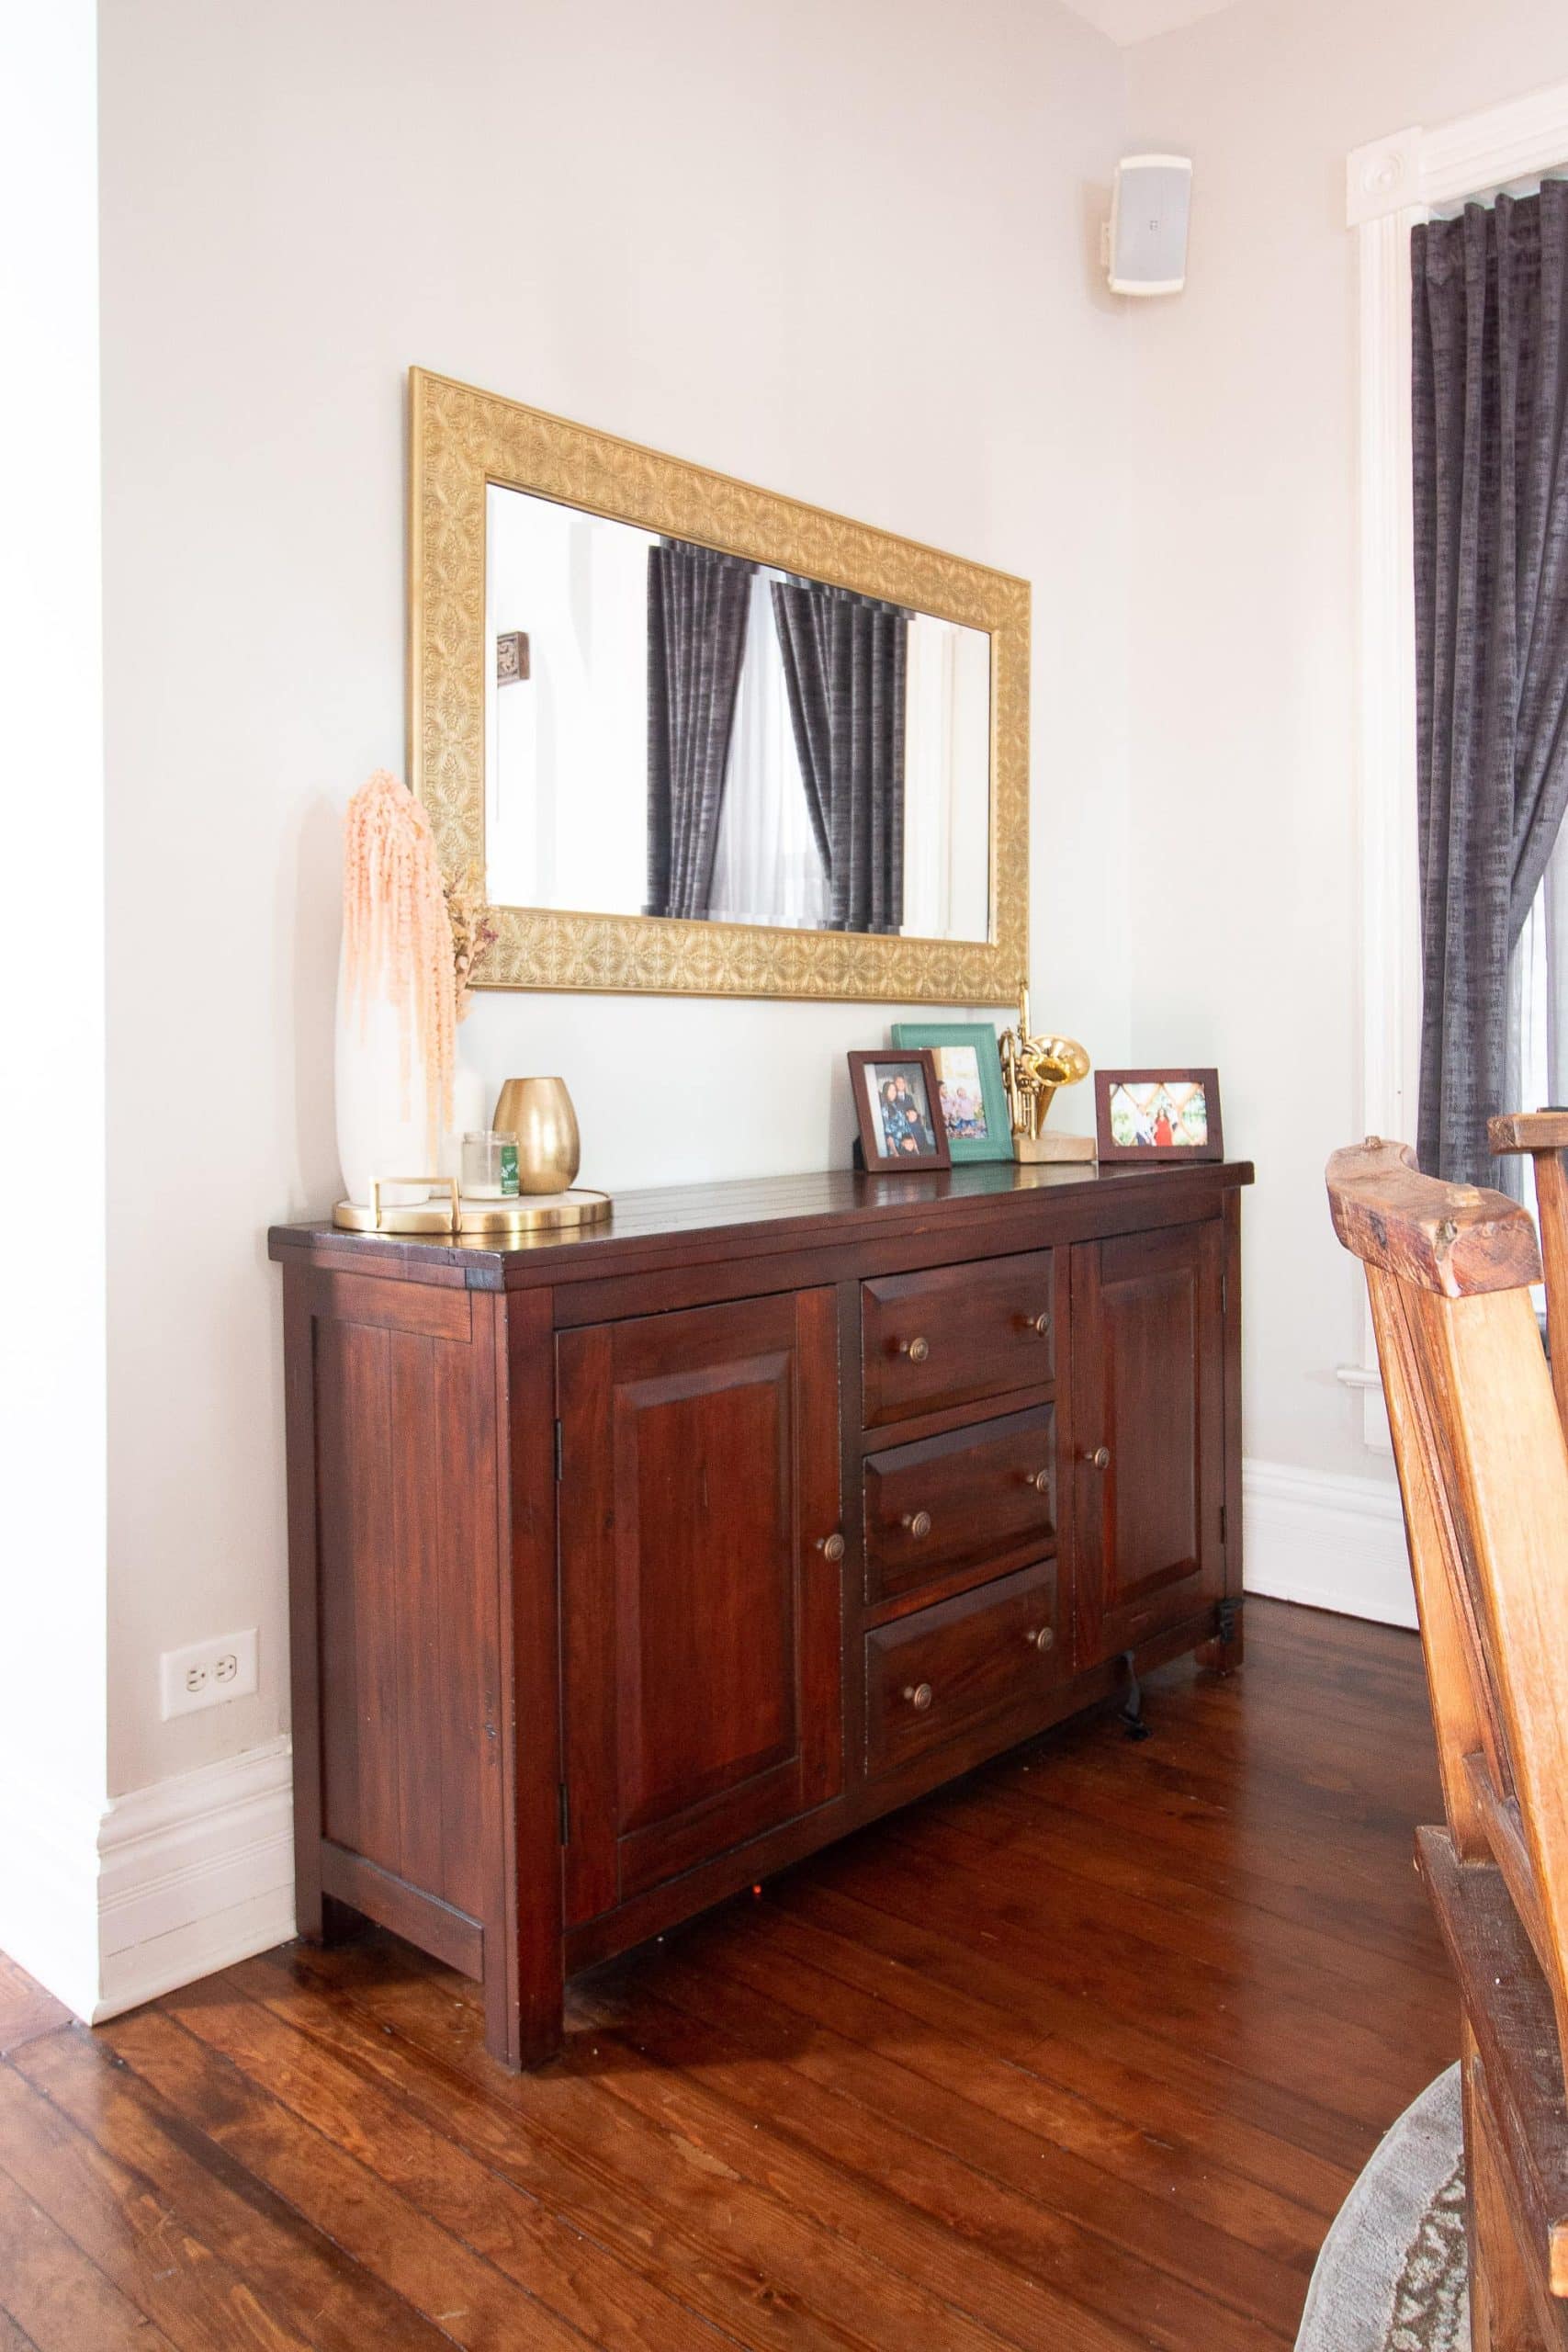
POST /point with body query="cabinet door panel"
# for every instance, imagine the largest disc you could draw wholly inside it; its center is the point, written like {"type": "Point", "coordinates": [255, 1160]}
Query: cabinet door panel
{"type": "Point", "coordinates": [702, 1622]}
{"type": "Point", "coordinates": [1148, 1370]}
{"type": "Point", "coordinates": [696, 1585]}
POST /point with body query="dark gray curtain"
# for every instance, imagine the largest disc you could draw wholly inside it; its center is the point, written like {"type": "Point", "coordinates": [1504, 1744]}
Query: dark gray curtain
{"type": "Point", "coordinates": [1491, 392]}
{"type": "Point", "coordinates": [697, 604]}
{"type": "Point", "coordinates": [845, 660]}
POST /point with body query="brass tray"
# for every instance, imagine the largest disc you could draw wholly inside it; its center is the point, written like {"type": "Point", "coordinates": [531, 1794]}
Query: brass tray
{"type": "Point", "coordinates": [512, 1220]}
{"type": "Point", "coordinates": [412, 1217]}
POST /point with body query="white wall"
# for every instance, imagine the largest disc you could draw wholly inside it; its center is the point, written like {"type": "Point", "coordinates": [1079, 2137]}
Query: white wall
{"type": "Point", "coordinates": [51, 977]}
{"type": "Point", "coordinates": [848, 253]}
{"type": "Point", "coordinates": [871, 282]}
{"type": "Point", "coordinates": [1245, 876]}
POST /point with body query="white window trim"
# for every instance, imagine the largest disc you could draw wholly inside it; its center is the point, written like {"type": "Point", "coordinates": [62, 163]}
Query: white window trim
{"type": "Point", "coordinates": [1390, 187]}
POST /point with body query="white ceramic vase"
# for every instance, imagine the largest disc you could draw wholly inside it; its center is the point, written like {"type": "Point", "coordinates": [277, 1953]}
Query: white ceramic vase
{"type": "Point", "coordinates": [381, 1127]}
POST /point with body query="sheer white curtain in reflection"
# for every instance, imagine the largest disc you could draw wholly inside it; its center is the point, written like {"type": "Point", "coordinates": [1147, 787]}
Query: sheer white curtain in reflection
{"type": "Point", "coordinates": [766, 867]}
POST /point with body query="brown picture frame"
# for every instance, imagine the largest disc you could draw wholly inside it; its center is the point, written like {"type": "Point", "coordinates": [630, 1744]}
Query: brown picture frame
{"type": "Point", "coordinates": [878, 1161]}
{"type": "Point", "coordinates": [1111, 1152]}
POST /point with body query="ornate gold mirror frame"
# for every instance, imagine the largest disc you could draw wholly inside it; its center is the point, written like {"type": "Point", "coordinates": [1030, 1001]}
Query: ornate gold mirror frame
{"type": "Point", "coordinates": [460, 440]}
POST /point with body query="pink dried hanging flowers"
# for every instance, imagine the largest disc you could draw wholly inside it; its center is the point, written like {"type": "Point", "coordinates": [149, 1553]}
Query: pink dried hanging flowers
{"type": "Point", "coordinates": [398, 936]}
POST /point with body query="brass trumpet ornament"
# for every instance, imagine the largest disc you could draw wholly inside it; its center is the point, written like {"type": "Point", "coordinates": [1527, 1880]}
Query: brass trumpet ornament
{"type": "Point", "coordinates": [1032, 1070]}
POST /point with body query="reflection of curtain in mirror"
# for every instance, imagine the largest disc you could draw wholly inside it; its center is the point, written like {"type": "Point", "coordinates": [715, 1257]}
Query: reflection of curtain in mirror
{"type": "Point", "coordinates": [844, 659]}
{"type": "Point", "coordinates": [697, 604]}
{"type": "Point", "coordinates": [767, 867]}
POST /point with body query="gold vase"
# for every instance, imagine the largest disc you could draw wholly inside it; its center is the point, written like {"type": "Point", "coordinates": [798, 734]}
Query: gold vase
{"type": "Point", "coordinates": [538, 1111]}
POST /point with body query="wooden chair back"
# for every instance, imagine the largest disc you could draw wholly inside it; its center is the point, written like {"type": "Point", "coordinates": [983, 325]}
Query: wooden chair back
{"type": "Point", "coordinates": [1483, 1472]}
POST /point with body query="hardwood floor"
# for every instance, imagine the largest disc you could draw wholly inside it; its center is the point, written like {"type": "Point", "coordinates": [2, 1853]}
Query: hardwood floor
{"type": "Point", "coordinates": [1082, 2054]}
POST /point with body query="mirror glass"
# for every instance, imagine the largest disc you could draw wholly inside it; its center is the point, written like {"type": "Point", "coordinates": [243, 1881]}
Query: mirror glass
{"type": "Point", "coordinates": [672, 731]}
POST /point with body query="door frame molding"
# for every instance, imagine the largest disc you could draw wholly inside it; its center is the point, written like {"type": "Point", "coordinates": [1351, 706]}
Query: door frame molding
{"type": "Point", "coordinates": [1393, 185]}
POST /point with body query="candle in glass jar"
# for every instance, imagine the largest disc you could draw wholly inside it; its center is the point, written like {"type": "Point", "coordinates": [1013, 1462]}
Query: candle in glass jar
{"type": "Point", "coordinates": [490, 1165]}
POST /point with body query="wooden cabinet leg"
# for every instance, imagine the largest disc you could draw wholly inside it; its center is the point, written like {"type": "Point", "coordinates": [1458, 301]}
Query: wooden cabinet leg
{"type": "Point", "coordinates": [1501, 2316]}
{"type": "Point", "coordinates": [524, 2005]}
{"type": "Point", "coordinates": [321, 1918]}
{"type": "Point", "coordinates": [520, 2045]}
{"type": "Point", "coordinates": [1224, 1653]}
{"type": "Point", "coordinates": [340, 1922]}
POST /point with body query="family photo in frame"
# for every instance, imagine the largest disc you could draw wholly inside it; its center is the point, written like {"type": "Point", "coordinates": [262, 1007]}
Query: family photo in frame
{"type": "Point", "coordinates": [898, 1110]}
{"type": "Point", "coordinates": [1155, 1114]}
{"type": "Point", "coordinates": [969, 1084]}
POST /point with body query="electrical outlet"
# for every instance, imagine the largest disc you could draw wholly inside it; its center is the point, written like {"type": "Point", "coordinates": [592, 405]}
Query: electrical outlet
{"type": "Point", "coordinates": [208, 1672]}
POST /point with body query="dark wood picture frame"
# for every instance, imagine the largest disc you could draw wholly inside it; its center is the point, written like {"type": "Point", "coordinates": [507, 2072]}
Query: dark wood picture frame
{"type": "Point", "coordinates": [922, 1060]}
{"type": "Point", "coordinates": [1106, 1081]}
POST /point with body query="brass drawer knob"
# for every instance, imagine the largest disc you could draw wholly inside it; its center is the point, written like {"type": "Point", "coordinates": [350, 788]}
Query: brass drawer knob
{"type": "Point", "coordinates": [1039, 1325]}
{"type": "Point", "coordinates": [919, 1694]}
{"type": "Point", "coordinates": [917, 1350]}
{"type": "Point", "coordinates": [1099, 1459]}
{"type": "Point", "coordinates": [1039, 1479]}
{"type": "Point", "coordinates": [830, 1546]}
{"type": "Point", "coordinates": [1041, 1638]}
{"type": "Point", "coordinates": [919, 1524]}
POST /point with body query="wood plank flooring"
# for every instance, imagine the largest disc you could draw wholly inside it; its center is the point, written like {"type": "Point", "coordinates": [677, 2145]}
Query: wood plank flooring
{"type": "Point", "coordinates": [1080, 2056]}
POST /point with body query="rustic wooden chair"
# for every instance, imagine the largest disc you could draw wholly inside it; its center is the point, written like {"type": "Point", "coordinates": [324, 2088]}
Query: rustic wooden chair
{"type": "Point", "coordinates": [1544, 1135]}
{"type": "Point", "coordinates": [1483, 1470]}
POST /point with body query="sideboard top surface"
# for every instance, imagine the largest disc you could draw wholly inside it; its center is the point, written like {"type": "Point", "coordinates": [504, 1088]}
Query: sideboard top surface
{"type": "Point", "coordinates": [764, 1214]}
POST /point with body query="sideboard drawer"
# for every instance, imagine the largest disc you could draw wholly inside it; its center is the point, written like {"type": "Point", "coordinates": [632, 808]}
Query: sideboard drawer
{"type": "Point", "coordinates": [933, 1675]}
{"type": "Point", "coordinates": [985, 1492]}
{"type": "Point", "coordinates": [957, 1334]}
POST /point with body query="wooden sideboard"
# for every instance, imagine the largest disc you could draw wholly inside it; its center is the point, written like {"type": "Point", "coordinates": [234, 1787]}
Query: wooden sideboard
{"type": "Point", "coordinates": [635, 1564]}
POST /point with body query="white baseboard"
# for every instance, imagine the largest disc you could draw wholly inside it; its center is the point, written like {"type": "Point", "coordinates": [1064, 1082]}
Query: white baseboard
{"type": "Point", "coordinates": [1328, 1541]}
{"type": "Point", "coordinates": [195, 1873]}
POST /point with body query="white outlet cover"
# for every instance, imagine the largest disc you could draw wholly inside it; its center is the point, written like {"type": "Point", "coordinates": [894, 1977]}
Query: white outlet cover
{"type": "Point", "coordinates": [208, 1673]}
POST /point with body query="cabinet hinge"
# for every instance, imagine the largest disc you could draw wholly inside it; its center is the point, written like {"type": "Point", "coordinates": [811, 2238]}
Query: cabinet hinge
{"type": "Point", "coordinates": [1221, 1522]}
{"type": "Point", "coordinates": [557, 1449]}
{"type": "Point", "coordinates": [565, 1816]}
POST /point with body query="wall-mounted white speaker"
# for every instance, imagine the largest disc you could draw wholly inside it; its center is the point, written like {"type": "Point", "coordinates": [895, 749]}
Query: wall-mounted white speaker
{"type": "Point", "coordinates": [1148, 224]}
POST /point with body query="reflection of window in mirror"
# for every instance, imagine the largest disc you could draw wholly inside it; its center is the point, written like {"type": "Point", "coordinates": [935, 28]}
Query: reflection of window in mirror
{"type": "Point", "coordinates": [947, 771]}
{"type": "Point", "coordinates": [767, 867]}
{"type": "Point", "coordinates": [716, 797]}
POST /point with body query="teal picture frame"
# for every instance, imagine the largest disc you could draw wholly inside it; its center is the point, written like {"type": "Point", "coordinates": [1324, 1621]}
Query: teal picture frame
{"type": "Point", "coordinates": [939, 1036]}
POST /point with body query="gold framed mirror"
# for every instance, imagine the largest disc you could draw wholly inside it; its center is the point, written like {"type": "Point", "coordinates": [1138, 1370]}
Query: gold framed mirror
{"type": "Point", "coordinates": [778, 753]}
